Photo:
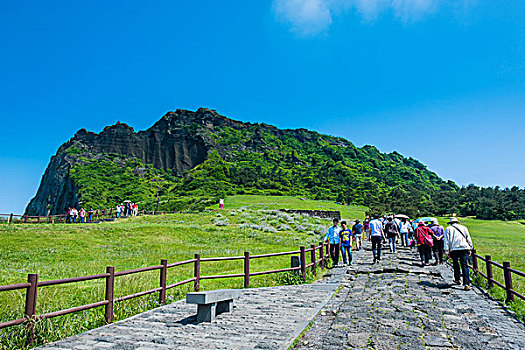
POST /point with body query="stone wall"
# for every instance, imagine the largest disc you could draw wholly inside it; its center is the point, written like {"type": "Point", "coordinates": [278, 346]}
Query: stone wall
{"type": "Point", "coordinates": [323, 214]}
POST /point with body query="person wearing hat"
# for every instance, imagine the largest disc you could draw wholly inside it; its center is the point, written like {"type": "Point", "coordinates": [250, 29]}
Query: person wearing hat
{"type": "Point", "coordinates": [457, 245]}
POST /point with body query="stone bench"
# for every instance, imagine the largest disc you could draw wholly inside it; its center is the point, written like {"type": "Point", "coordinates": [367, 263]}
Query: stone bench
{"type": "Point", "coordinates": [213, 302]}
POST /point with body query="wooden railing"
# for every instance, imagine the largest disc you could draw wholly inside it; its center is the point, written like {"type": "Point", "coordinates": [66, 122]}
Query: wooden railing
{"type": "Point", "coordinates": [489, 275]}
{"type": "Point", "coordinates": [59, 218]}
{"type": "Point", "coordinates": [33, 284]}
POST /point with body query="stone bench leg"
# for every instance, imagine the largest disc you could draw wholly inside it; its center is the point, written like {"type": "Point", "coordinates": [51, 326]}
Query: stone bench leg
{"type": "Point", "coordinates": [224, 306]}
{"type": "Point", "coordinates": [206, 312]}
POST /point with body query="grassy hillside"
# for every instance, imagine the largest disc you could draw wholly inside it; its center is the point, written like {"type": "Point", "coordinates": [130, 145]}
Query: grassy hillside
{"type": "Point", "coordinates": [59, 251]}
{"type": "Point", "coordinates": [289, 202]}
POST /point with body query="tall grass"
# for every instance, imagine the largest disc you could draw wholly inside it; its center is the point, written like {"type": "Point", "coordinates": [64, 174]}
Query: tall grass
{"type": "Point", "coordinates": [59, 251]}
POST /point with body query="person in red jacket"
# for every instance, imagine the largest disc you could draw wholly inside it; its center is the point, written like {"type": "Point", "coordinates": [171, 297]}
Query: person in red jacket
{"type": "Point", "coordinates": [424, 242]}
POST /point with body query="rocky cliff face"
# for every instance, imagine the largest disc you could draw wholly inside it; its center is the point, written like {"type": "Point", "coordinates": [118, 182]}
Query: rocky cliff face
{"type": "Point", "coordinates": [177, 142]}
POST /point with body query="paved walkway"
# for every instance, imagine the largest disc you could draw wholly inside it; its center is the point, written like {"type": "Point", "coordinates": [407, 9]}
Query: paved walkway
{"type": "Point", "coordinates": [392, 305]}
{"type": "Point", "coordinates": [263, 318]}
{"type": "Point", "coordinates": [398, 305]}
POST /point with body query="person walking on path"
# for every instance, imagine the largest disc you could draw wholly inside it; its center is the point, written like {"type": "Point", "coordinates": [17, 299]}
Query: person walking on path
{"type": "Point", "coordinates": [392, 232]}
{"type": "Point", "coordinates": [377, 236]}
{"type": "Point", "coordinates": [357, 234]}
{"type": "Point", "coordinates": [424, 242]}
{"type": "Point", "coordinates": [438, 235]}
{"type": "Point", "coordinates": [119, 210]}
{"type": "Point", "coordinates": [457, 245]}
{"type": "Point", "coordinates": [82, 215]}
{"type": "Point", "coordinates": [346, 243]}
{"type": "Point", "coordinates": [333, 237]}
{"type": "Point", "coordinates": [221, 203]}
{"type": "Point", "coordinates": [366, 227]}
{"type": "Point", "coordinates": [404, 229]}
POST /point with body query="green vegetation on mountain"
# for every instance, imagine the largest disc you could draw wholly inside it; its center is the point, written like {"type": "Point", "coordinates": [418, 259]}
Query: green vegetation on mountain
{"type": "Point", "coordinates": [229, 157]}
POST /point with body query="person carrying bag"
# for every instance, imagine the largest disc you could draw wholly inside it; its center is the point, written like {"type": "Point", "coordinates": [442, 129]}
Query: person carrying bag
{"type": "Point", "coordinates": [458, 246]}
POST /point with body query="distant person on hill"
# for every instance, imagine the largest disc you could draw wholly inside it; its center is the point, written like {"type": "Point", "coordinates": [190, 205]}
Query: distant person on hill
{"type": "Point", "coordinates": [221, 203]}
{"type": "Point", "coordinates": [346, 243]}
{"type": "Point", "coordinates": [424, 242]}
{"type": "Point", "coordinates": [69, 215]}
{"type": "Point", "coordinates": [404, 229]}
{"type": "Point", "coordinates": [439, 233]}
{"type": "Point", "coordinates": [333, 237]}
{"type": "Point", "coordinates": [90, 215]}
{"type": "Point", "coordinates": [135, 209]}
{"type": "Point", "coordinates": [82, 214]}
{"type": "Point", "coordinates": [377, 236]}
{"type": "Point", "coordinates": [119, 210]}
{"type": "Point", "coordinates": [392, 232]}
{"type": "Point", "coordinates": [74, 214]}
{"type": "Point", "coordinates": [357, 234]}
{"type": "Point", "coordinates": [457, 246]}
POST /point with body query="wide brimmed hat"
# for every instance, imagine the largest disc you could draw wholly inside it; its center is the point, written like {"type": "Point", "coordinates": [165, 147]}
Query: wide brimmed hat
{"type": "Point", "coordinates": [453, 221]}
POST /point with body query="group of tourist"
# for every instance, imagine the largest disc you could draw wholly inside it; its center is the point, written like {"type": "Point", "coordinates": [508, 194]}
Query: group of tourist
{"type": "Point", "coordinates": [79, 216]}
{"type": "Point", "coordinates": [454, 242]}
{"type": "Point", "coordinates": [127, 209]}
{"type": "Point", "coordinates": [342, 238]}
{"type": "Point", "coordinates": [75, 215]}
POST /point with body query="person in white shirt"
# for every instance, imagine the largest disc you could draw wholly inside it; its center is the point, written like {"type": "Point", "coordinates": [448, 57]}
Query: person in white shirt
{"type": "Point", "coordinates": [404, 229]}
{"type": "Point", "coordinates": [377, 236]}
{"type": "Point", "coordinates": [457, 245]}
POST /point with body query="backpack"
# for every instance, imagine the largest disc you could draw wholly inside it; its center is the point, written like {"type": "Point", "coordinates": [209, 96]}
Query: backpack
{"type": "Point", "coordinates": [426, 238]}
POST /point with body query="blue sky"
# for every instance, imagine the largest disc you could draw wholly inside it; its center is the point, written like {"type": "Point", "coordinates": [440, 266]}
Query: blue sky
{"type": "Point", "coordinates": [441, 81]}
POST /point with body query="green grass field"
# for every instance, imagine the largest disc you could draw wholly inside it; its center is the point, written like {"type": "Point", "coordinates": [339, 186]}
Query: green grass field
{"type": "Point", "coordinates": [248, 223]}
{"type": "Point", "coordinates": [59, 251]}
{"type": "Point", "coordinates": [286, 202]}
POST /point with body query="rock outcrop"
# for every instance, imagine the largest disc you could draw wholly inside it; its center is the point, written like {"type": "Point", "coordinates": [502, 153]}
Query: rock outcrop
{"type": "Point", "coordinates": [173, 143]}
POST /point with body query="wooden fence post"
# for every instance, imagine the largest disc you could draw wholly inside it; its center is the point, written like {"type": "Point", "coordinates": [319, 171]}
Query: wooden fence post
{"type": "Point", "coordinates": [303, 262]}
{"type": "Point", "coordinates": [163, 273]}
{"type": "Point", "coordinates": [312, 255]}
{"type": "Point", "coordinates": [10, 218]}
{"type": "Point", "coordinates": [474, 261]}
{"type": "Point", "coordinates": [38, 218]}
{"type": "Point", "coordinates": [508, 281]}
{"type": "Point", "coordinates": [246, 269]}
{"type": "Point", "coordinates": [321, 253]}
{"type": "Point", "coordinates": [197, 273]}
{"type": "Point", "coordinates": [30, 310]}
{"type": "Point", "coordinates": [490, 275]}
{"type": "Point", "coordinates": [25, 219]}
{"type": "Point", "coordinates": [110, 293]}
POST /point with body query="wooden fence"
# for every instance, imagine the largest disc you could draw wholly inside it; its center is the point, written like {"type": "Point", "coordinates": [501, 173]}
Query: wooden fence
{"type": "Point", "coordinates": [489, 275]}
{"type": "Point", "coordinates": [59, 218]}
{"type": "Point", "coordinates": [33, 284]}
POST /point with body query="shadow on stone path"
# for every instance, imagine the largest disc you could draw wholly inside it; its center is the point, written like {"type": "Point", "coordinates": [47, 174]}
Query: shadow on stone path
{"type": "Point", "coordinates": [397, 304]}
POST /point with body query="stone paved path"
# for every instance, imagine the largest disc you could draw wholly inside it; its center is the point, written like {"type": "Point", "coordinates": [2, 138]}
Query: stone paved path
{"type": "Point", "coordinates": [264, 318]}
{"type": "Point", "coordinates": [398, 305]}
{"type": "Point", "coordinates": [392, 305]}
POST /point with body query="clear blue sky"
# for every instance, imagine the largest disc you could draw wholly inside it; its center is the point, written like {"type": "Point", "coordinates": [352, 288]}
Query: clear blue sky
{"type": "Point", "coordinates": [441, 81]}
